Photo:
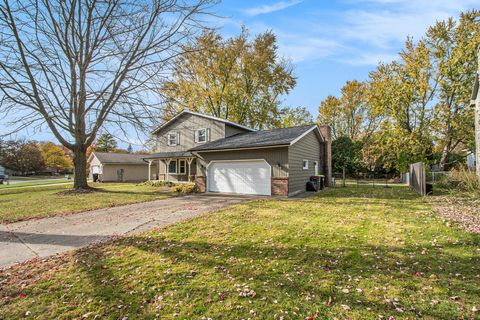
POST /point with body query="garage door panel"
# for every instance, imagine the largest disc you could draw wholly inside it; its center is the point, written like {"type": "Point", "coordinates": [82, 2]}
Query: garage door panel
{"type": "Point", "coordinates": [247, 177]}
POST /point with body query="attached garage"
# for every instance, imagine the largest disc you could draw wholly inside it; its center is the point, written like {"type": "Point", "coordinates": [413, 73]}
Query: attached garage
{"type": "Point", "coordinates": [239, 176]}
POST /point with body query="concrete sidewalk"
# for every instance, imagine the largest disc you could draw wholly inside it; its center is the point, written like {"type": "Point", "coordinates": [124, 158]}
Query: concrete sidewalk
{"type": "Point", "coordinates": [38, 238]}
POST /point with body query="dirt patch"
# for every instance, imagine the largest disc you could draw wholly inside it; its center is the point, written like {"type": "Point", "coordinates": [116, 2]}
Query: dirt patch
{"type": "Point", "coordinates": [73, 192]}
{"type": "Point", "coordinates": [462, 211]}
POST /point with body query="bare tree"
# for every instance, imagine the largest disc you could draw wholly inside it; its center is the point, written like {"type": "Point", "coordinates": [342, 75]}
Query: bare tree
{"type": "Point", "coordinates": [77, 65]}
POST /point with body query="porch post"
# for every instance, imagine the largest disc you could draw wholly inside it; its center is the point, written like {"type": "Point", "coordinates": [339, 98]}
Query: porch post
{"type": "Point", "coordinates": [167, 161]}
{"type": "Point", "coordinates": [150, 170]}
{"type": "Point", "coordinates": [189, 160]}
{"type": "Point", "coordinates": [158, 173]}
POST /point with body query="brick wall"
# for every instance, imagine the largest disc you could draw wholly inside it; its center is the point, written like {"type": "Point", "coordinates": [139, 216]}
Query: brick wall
{"type": "Point", "coordinates": [200, 182]}
{"type": "Point", "coordinates": [279, 186]}
{"type": "Point", "coordinates": [327, 156]}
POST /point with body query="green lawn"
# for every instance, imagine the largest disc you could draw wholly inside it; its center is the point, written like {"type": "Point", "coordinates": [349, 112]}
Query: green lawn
{"type": "Point", "coordinates": [349, 253]}
{"type": "Point", "coordinates": [33, 183]}
{"type": "Point", "coordinates": [25, 203]}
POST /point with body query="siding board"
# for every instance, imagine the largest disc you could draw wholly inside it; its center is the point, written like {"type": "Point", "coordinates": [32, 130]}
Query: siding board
{"type": "Point", "coordinates": [308, 148]}
{"type": "Point", "coordinates": [186, 125]}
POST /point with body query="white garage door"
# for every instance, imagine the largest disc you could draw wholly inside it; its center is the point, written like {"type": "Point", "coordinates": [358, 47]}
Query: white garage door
{"type": "Point", "coordinates": [247, 177]}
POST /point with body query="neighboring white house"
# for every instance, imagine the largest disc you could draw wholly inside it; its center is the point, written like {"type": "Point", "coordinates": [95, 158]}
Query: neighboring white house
{"type": "Point", "coordinates": [471, 163]}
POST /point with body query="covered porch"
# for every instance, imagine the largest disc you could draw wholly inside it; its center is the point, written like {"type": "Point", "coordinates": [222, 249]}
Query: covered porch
{"type": "Point", "coordinates": [171, 166]}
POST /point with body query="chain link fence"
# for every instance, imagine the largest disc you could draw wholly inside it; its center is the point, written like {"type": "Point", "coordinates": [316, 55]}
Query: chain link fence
{"type": "Point", "coordinates": [373, 179]}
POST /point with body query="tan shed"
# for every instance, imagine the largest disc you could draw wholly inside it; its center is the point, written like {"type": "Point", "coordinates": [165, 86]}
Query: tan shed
{"type": "Point", "coordinates": [118, 167]}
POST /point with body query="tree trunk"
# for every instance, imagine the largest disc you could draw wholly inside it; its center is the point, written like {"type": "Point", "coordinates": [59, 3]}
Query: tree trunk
{"type": "Point", "coordinates": [80, 168]}
{"type": "Point", "coordinates": [443, 158]}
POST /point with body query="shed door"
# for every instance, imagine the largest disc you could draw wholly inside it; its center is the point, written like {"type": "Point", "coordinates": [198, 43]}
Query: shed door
{"type": "Point", "coordinates": [246, 177]}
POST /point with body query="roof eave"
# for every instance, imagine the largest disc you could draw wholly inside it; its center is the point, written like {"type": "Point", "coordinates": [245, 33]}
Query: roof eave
{"type": "Point", "coordinates": [314, 126]}
{"type": "Point", "coordinates": [243, 148]}
{"type": "Point", "coordinates": [231, 123]}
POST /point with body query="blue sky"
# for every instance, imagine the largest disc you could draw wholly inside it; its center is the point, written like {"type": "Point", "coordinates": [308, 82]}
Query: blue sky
{"type": "Point", "coordinates": [329, 42]}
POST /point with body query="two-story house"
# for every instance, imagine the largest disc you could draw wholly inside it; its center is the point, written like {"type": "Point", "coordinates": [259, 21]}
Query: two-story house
{"type": "Point", "coordinates": [223, 156]}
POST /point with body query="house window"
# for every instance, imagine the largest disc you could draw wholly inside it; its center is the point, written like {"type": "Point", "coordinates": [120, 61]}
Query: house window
{"type": "Point", "coordinates": [305, 164]}
{"type": "Point", "coordinates": [172, 166]}
{"type": "Point", "coordinates": [201, 135]}
{"type": "Point", "coordinates": [173, 139]}
{"type": "Point", "coordinates": [181, 166]}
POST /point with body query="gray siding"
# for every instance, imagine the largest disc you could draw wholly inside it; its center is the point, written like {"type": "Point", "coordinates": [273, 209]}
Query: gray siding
{"type": "Point", "coordinates": [231, 130]}
{"type": "Point", "coordinates": [308, 148]}
{"type": "Point", "coordinates": [276, 157]}
{"type": "Point", "coordinates": [186, 126]}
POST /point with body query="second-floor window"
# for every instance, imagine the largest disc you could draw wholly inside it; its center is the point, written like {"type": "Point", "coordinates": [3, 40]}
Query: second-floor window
{"type": "Point", "coordinates": [173, 139]}
{"type": "Point", "coordinates": [201, 135]}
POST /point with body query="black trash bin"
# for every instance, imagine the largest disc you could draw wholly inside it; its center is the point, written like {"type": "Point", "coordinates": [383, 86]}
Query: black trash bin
{"type": "Point", "coordinates": [95, 177]}
{"type": "Point", "coordinates": [311, 186]}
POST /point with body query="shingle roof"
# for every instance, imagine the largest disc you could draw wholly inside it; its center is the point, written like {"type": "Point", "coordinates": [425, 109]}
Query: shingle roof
{"type": "Point", "coordinates": [264, 138]}
{"type": "Point", "coordinates": [165, 155]}
{"type": "Point", "coordinates": [120, 158]}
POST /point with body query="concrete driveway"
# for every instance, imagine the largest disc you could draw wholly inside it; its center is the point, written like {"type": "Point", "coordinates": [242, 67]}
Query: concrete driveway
{"type": "Point", "coordinates": [39, 238]}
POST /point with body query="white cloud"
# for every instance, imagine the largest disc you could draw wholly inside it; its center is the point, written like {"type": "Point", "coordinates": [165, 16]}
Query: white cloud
{"type": "Point", "coordinates": [385, 23]}
{"type": "Point", "coordinates": [268, 8]}
{"type": "Point", "coordinates": [369, 59]}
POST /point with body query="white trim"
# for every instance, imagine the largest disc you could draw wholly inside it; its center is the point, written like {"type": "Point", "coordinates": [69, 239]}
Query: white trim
{"type": "Point", "coordinates": [307, 132]}
{"type": "Point", "coordinates": [238, 160]}
{"type": "Point", "coordinates": [316, 167]}
{"type": "Point", "coordinates": [303, 165]}
{"type": "Point", "coordinates": [197, 136]}
{"type": "Point", "coordinates": [239, 149]}
{"type": "Point", "coordinates": [184, 166]}
{"type": "Point", "coordinates": [202, 115]}
{"type": "Point", "coordinates": [177, 138]}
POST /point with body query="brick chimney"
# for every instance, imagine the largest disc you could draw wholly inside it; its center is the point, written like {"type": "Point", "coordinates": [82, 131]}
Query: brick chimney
{"type": "Point", "coordinates": [327, 165]}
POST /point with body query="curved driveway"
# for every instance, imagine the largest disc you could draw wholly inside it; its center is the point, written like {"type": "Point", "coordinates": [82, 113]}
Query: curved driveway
{"type": "Point", "coordinates": [39, 238]}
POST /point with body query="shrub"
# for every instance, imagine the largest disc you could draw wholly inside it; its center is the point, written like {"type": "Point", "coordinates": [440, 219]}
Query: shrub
{"type": "Point", "coordinates": [460, 179]}
{"type": "Point", "coordinates": [185, 188]}
{"type": "Point", "coordinates": [157, 183]}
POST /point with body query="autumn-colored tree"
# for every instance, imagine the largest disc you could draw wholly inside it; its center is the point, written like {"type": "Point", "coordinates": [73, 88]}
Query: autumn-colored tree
{"type": "Point", "coordinates": [55, 157]}
{"type": "Point", "coordinates": [21, 156]}
{"type": "Point", "coordinates": [403, 91]}
{"type": "Point", "coordinates": [235, 79]}
{"type": "Point", "coordinates": [350, 115]}
{"type": "Point", "coordinates": [291, 117]}
{"type": "Point", "coordinates": [453, 47]}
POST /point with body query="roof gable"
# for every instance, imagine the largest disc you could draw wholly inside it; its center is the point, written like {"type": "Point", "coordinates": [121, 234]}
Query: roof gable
{"type": "Point", "coordinates": [184, 112]}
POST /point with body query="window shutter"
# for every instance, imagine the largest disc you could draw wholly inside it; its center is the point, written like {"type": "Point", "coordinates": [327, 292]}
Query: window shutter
{"type": "Point", "coordinates": [178, 138]}
{"type": "Point", "coordinates": [207, 133]}
{"type": "Point", "coordinates": [168, 139]}
{"type": "Point", "coordinates": [195, 135]}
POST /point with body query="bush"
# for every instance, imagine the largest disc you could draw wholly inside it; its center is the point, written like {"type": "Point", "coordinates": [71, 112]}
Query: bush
{"type": "Point", "coordinates": [460, 179]}
{"type": "Point", "coordinates": [157, 183]}
{"type": "Point", "coordinates": [185, 188]}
